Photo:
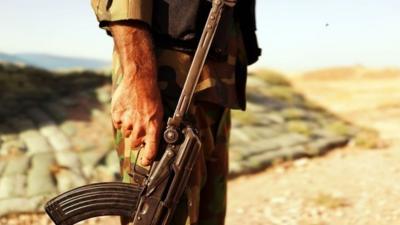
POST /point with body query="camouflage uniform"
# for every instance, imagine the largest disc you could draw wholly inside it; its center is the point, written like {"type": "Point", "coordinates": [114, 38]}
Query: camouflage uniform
{"type": "Point", "coordinates": [216, 92]}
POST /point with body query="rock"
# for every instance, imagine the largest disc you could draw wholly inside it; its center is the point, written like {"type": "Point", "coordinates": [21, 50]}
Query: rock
{"type": "Point", "coordinates": [20, 205]}
{"type": "Point", "coordinates": [35, 142]}
{"type": "Point", "coordinates": [67, 180]}
{"type": "Point", "coordinates": [4, 137]}
{"type": "Point", "coordinates": [264, 140]}
{"type": "Point", "coordinates": [294, 113]}
{"type": "Point", "coordinates": [102, 174]}
{"type": "Point", "coordinates": [93, 157]}
{"type": "Point", "coordinates": [275, 117]}
{"type": "Point", "coordinates": [235, 153]}
{"type": "Point", "coordinates": [293, 152]}
{"type": "Point", "coordinates": [322, 133]}
{"type": "Point", "coordinates": [69, 160]}
{"type": "Point", "coordinates": [250, 149]}
{"type": "Point", "coordinates": [256, 97]}
{"type": "Point", "coordinates": [300, 126]}
{"type": "Point", "coordinates": [258, 162]}
{"type": "Point", "coordinates": [237, 135]}
{"type": "Point", "coordinates": [48, 128]}
{"type": "Point", "coordinates": [253, 133]}
{"type": "Point", "coordinates": [273, 144]}
{"type": "Point", "coordinates": [90, 159]}
{"type": "Point", "coordinates": [255, 108]}
{"type": "Point", "coordinates": [248, 118]}
{"type": "Point", "coordinates": [322, 145]}
{"type": "Point", "coordinates": [264, 132]}
{"type": "Point", "coordinates": [40, 180]}
{"type": "Point", "coordinates": [235, 124]}
{"type": "Point", "coordinates": [83, 145]}
{"type": "Point", "coordinates": [12, 186]}
{"type": "Point", "coordinates": [290, 139]}
{"type": "Point", "coordinates": [56, 138]}
{"type": "Point", "coordinates": [235, 168]}
{"type": "Point", "coordinates": [13, 147]}
{"type": "Point", "coordinates": [112, 162]}
{"type": "Point", "coordinates": [244, 118]}
{"type": "Point", "coordinates": [69, 128]}
{"type": "Point", "coordinates": [17, 166]}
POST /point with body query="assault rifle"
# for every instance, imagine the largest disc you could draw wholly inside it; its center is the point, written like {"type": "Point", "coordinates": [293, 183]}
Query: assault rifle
{"type": "Point", "coordinates": [153, 200]}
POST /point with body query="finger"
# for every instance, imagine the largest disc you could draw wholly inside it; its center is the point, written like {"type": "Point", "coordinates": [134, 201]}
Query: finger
{"type": "Point", "coordinates": [137, 136]}
{"type": "Point", "coordinates": [116, 116]}
{"type": "Point", "coordinates": [118, 124]}
{"type": "Point", "coordinates": [126, 130]}
{"type": "Point", "coordinates": [151, 147]}
{"type": "Point", "coordinates": [136, 143]}
{"type": "Point", "coordinates": [126, 126]}
{"type": "Point", "coordinates": [116, 120]}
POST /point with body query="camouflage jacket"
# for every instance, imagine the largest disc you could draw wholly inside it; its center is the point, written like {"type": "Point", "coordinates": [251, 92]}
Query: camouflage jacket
{"type": "Point", "coordinates": [176, 27]}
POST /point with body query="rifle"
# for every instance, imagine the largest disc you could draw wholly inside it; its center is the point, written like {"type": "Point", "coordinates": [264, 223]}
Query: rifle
{"type": "Point", "coordinates": [153, 200]}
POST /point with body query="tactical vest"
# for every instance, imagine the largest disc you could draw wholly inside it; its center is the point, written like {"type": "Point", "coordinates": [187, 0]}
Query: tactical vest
{"type": "Point", "coordinates": [178, 24]}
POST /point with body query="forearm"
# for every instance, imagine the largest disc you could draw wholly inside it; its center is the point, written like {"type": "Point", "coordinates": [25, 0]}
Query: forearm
{"type": "Point", "coordinates": [134, 44]}
{"type": "Point", "coordinates": [136, 106]}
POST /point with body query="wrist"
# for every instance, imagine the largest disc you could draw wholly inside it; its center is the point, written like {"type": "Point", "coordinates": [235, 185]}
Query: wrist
{"type": "Point", "coordinates": [134, 72]}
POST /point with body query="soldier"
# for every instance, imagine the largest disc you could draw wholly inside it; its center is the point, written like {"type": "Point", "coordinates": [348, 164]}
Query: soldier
{"type": "Point", "coordinates": [154, 41]}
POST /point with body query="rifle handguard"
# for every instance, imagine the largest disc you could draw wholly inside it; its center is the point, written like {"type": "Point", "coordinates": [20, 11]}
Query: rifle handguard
{"type": "Point", "coordinates": [93, 200]}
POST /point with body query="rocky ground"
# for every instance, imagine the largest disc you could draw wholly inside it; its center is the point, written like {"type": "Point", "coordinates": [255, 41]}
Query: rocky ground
{"type": "Point", "coordinates": [280, 125]}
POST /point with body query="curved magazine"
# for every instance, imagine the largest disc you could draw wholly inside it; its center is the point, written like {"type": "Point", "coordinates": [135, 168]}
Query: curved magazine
{"type": "Point", "coordinates": [93, 200]}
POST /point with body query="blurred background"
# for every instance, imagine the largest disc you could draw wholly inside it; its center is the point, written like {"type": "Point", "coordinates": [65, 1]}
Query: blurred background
{"type": "Point", "coordinates": [319, 140]}
{"type": "Point", "coordinates": [295, 36]}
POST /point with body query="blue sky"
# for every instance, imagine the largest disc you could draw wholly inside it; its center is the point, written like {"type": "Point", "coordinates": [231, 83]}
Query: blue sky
{"type": "Point", "coordinates": [295, 35]}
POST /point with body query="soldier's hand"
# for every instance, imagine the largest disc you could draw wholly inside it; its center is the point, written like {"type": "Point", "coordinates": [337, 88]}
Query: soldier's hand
{"type": "Point", "coordinates": [136, 106]}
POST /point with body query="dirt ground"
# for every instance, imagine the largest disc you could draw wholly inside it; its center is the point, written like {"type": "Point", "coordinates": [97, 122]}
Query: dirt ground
{"type": "Point", "coordinates": [348, 186]}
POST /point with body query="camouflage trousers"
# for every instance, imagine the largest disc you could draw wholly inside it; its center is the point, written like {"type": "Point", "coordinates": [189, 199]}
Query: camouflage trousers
{"type": "Point", "coordinates": [205, 201]}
